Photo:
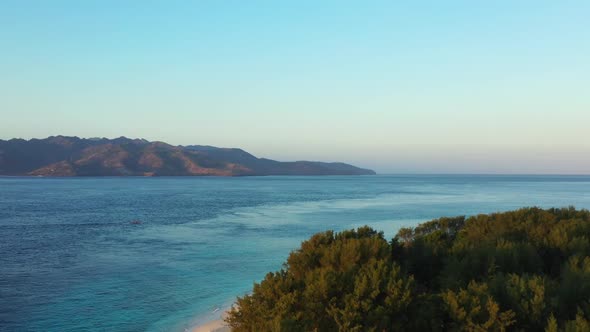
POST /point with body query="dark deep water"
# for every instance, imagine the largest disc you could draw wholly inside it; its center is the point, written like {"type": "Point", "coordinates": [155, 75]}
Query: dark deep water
{"type": "Point", "coordinates": [70, 260]}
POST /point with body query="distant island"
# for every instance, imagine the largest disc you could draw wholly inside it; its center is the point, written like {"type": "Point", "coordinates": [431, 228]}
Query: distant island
{"type": "Point", "coordinates": [74, 156]}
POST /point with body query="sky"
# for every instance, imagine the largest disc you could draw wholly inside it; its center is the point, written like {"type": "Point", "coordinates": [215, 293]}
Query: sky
{"type": "Point", "coordinates": [397, 86]}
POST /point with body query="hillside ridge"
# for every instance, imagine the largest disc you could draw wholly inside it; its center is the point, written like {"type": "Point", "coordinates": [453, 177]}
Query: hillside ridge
{"type": "Point", "coordinates": [122, 156]}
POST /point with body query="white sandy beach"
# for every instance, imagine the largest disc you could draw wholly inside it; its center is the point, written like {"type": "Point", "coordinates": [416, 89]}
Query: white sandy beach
{"type": "Point", "coordinates": [212, 326]}
{"type": "Point", "coordinates": [217, 325]}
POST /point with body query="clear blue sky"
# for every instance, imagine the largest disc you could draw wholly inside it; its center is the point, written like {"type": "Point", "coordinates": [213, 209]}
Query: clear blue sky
{"type": "Point", "coordinates": [415, 86]}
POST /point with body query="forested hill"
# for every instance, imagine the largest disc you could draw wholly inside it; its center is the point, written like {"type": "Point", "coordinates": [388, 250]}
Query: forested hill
{"type": "Point", "coordinates": [73, 156]}
{"type": "Point", "coordinates": [525, 270]}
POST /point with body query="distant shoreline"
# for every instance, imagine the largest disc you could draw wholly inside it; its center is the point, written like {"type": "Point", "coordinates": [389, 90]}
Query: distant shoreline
{"type": "Point", "coordinates": [182, 176]}
{"type": "Point", "coordinates": [73, 156]}
{"type": "Point", "coordinates": [450, 175]}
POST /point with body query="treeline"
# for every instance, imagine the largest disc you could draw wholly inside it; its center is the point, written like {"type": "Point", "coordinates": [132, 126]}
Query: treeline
{"type": "Point", "coordinates": [524, 270]}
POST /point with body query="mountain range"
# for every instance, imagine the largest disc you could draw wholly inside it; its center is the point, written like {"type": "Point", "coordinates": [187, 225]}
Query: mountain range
{"type": "Point", "coordinates": [74, 156]}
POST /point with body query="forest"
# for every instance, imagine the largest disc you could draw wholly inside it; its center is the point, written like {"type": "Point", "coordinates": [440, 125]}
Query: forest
{"type": "Point", "coordinates": [523, 270]}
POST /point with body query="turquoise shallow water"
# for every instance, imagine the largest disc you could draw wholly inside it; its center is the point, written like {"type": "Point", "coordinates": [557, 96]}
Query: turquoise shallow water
{"type": "Point", "coordinates": [70, 260]}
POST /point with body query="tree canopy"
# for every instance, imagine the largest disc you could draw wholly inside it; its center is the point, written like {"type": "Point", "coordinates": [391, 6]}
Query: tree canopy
{"type": "Point", "coordinates": [523, 270]}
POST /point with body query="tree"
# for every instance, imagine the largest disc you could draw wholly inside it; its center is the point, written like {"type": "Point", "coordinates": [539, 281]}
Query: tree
{"type": "Point", "coordinates": [497, 272]}
{"type": "Point", "coordinates": [474, 309]}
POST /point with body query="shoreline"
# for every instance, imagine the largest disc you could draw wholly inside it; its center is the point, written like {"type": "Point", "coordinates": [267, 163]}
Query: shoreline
{"type": "Point", "coordinates": [216, 325]}
{"type": "Point", "coordinates": [213, 326]}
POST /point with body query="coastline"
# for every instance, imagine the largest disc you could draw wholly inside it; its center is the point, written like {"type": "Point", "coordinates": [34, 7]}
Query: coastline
{"type": "Point", "coordinates": [212, 326]}
{"type": "Point", "coordinates": [217, 325]}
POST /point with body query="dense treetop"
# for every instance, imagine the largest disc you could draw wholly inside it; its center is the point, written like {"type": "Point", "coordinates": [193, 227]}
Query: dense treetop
{"type": "Point", "coordinates": [524, 270]}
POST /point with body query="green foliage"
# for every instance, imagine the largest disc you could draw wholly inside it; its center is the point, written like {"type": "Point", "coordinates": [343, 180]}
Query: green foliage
{"type": "Point", "coordinates": [379, 299]}
{"type": "Point", "coordinates": [526, 295]}
{"type": "Point", "coordinates": [551, 324]}
{"type": "Point", "coordinates": [474, 309]}
{"type": "Point", "coordinates": [524, 270]}
{"type": "Point", "coordinates": [580, 324]}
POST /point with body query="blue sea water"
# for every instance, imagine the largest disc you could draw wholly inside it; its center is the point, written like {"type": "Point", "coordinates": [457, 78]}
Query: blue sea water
{"type": "Point", "coordinates": [71, 260]}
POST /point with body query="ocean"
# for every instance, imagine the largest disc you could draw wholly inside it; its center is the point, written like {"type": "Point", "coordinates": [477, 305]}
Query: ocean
{"type": "Point", "coordinates": [164, 254]}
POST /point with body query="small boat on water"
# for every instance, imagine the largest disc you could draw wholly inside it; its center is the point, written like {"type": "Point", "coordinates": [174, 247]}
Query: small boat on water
{"type": "Point", "coordinates": [135, 222]}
